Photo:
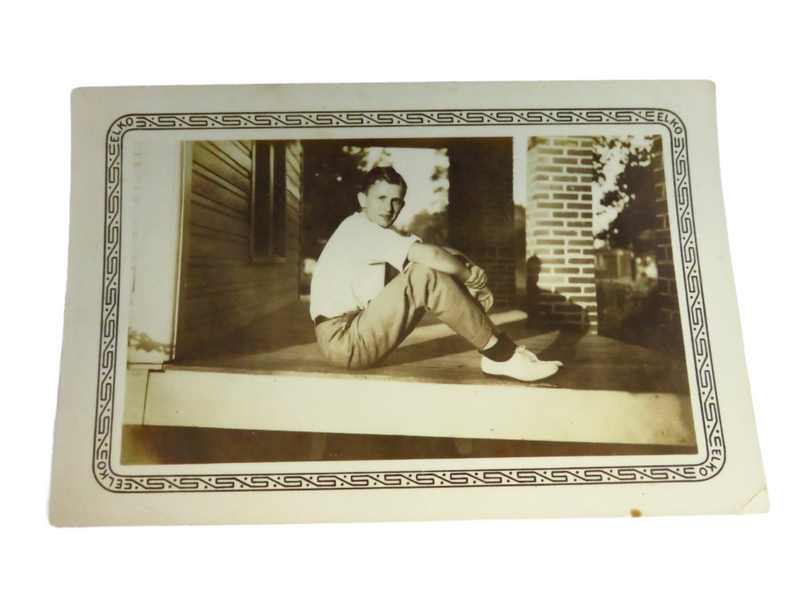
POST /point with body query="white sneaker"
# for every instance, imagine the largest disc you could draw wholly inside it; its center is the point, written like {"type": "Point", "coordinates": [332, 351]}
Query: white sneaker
{"type": "Point", "coordinates": [523, 366]}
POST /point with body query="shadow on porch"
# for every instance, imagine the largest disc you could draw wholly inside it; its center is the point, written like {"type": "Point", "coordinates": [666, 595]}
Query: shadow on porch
{"type": "Point", "coordinates": [284, 343]}
{"type": "Point", "coordinates": [636, 401]}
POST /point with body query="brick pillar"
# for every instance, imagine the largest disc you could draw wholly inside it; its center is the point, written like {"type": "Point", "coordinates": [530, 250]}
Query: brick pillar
{"type": "Point", "coordinates": [481, 211]}
{"type": "Point", "coordinates": [669, 312]}
{"type": "Point", "coordinates": [559, 238]}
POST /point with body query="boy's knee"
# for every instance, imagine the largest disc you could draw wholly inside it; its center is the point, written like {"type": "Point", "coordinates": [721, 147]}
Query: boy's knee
{"type": "Point", "coordinates": [421, 277]}
{"type": "Point", "coordinates": [421, 273]}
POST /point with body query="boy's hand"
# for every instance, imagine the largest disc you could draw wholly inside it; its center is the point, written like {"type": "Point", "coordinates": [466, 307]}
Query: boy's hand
{"type": "Point", "coordinates": [482, 295]}
{"type": "Point", "coordinates": [477, 277]}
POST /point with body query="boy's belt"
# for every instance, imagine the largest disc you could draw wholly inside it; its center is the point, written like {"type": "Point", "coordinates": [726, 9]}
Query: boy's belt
{"type": "Point", "coordinates": [350, 316]}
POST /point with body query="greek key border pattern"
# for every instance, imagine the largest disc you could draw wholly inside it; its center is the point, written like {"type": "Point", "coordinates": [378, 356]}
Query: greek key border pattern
{"type": "Point", "coordinates": [701, 349]}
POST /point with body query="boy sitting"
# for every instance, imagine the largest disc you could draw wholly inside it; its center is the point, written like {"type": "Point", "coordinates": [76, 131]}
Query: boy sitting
{"type": "Point", "coordinates": [360, 320]}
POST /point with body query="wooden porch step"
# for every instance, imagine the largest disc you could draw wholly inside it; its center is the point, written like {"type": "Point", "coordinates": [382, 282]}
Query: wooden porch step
{"type": "Point", "coordinates": [349, 404]}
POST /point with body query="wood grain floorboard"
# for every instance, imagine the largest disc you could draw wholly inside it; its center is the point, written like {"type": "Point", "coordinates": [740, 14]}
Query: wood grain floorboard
{"type": "Point", "coordinates": [284, 343]}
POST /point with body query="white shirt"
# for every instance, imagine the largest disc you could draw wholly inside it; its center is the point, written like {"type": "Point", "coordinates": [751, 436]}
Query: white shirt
{"type": "Point", "coordinates": [351, 270]}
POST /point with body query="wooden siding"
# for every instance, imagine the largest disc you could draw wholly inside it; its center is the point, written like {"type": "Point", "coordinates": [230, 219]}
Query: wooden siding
{"type": "Point", "coordinates": [222, 287]}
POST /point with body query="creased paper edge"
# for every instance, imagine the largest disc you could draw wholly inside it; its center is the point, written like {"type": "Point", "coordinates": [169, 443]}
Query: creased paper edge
{"type": "Point", "coordinates": [758, 504]}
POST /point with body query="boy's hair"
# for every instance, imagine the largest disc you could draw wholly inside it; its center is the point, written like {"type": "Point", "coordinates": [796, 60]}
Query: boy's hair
{"type": "Point", "coordinates": [387, 174]}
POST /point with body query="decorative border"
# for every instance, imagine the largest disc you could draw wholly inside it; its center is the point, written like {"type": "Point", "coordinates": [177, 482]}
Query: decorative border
{"type": "Point", "coordinates": [109, 329]}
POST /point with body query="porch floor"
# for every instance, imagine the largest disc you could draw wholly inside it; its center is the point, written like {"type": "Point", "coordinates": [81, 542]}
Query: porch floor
{"type": "Point", "coordinates": [284, 343]}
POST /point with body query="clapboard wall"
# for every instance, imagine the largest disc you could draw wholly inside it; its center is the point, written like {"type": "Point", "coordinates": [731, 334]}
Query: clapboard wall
{"type": "Point", "coordinates": [224, 286]}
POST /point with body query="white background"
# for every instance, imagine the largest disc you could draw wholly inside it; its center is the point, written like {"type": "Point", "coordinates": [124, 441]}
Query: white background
{"type": "Point", "coordinates": [751, 55]}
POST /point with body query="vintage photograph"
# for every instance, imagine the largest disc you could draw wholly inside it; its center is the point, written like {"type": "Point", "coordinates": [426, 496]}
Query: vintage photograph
{"type": "Point", "coordinates": [373, 313]}
{"type": "Point", "coordinates": [343, 299]}
{"type": "Point", "coordinates": [441, 315]}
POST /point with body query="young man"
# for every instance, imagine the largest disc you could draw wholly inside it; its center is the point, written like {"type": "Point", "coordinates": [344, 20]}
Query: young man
{"type": "Point", "coordinates": [360, 320]}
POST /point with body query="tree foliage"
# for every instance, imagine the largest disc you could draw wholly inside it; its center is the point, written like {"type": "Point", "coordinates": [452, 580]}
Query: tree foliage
{"type": "Point", "coordinates": [625, 174]}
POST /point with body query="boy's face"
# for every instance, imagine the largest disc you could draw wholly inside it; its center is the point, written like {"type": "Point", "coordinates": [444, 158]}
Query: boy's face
{"type": "Point", "coordinates": [382, 203]}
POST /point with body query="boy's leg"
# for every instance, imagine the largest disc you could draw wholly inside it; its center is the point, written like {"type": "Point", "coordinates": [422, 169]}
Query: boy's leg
{"type": "Point", "coordinates": [359, 341]}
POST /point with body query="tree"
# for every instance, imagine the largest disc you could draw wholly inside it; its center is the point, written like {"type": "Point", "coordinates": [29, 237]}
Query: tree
{"type": "Point", "coordinates": [625, 176]}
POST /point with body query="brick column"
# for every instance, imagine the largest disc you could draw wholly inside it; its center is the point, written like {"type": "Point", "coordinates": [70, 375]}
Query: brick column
{"type": "Point", "coordinates": [669, 312]}
{"type": "Point", "coordinates": [559, 238]}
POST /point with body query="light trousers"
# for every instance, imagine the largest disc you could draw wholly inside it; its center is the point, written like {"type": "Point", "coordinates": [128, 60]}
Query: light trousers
{"type": "Point", "coordinates": [359, 339]}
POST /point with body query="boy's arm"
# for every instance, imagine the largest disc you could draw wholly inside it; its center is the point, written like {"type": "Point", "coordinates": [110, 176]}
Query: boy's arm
{"type": "Point", "coordinates": [441, 259]}
{"type": "Point", "coordinates": [459, 255]}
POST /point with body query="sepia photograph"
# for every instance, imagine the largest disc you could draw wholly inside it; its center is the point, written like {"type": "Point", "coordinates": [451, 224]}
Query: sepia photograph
{"type": "Point", "coordinates": [297, 307]}
{"type": "Point", "coordinates": [386, 300]}
{"type": "Point", "coordinates": [541, 266]}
